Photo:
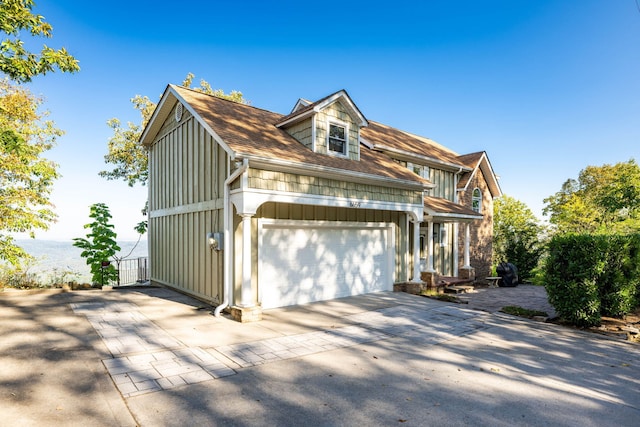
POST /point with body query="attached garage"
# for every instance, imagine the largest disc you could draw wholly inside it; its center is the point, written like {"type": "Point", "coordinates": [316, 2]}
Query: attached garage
{"type": "Point", "coordinates": [305, 261]}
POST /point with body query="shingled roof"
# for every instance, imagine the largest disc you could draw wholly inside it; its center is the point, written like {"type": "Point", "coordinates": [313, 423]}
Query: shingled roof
{"type": "Point", "coordinates": [442, 209]}
{"type": "Point", "coordinates": [384, 137]}
{"type": "Point", "coordinates": [251, 132]}
{"type": "Point", "coordinates": [479, 161]}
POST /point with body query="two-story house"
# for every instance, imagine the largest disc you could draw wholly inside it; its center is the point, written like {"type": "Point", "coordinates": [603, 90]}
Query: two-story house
{"type": "Point", "coordinates": [251, 209]}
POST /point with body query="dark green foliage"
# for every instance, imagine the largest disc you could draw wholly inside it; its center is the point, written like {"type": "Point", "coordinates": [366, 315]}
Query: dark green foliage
{"type": "Point", "coordinates": [517, 236]}
{"type": "Point", "coordinates": [620, 282]}
{"type": "Point", "coordinates": [100, 245]}
{"type": "Point", "coordinates": [524, 253]}
{"type": "Point", "coordinates": [587, 276]}
{"type": "Point", "coordinates": [570, 279]}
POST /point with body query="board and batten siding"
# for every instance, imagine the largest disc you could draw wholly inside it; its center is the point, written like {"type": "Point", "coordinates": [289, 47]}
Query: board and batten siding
{"type": "Point", "coordinates": [445, 182]}
{"type": "Point", "coordinates": [187, 169]}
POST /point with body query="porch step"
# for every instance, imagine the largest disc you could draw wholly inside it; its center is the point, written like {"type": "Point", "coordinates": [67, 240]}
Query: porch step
{"type": "Point", "coordinates": [458, 289]}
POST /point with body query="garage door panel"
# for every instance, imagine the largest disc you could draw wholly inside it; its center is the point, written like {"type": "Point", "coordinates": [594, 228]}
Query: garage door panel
{"type": "Point", "coordinates": [304, 264]}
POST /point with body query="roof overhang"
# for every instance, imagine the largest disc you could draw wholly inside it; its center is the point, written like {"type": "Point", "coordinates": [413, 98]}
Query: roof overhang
{"type": "Point", "coordinates": [162, 112]}
{"type": "Point", "coordinates": [329, 172]}
{"type": "Point", "coordinates": [417, 158]}
{"type": "Point", "coordinates": [489, 175]}
{"type": "Point", "coordinates": [443, 210]}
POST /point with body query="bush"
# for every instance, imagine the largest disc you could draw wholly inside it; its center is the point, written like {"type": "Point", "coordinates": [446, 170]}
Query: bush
{"type": "Point", "coordinates": [619, 281]}
{"type": "Point", "coordinates": [570, 272]}
{"type": "Point", "coordinates": [18, 276]}
{"type": "Point", "coordinates": [587, 276]}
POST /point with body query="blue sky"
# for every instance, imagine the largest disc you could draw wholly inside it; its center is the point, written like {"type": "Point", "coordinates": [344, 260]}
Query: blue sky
{"type": "Point", "coordinates": [546, 87]}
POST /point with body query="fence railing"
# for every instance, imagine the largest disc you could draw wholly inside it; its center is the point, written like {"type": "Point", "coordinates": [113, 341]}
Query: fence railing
{"type": "Point", "coordinates": [132, 271]}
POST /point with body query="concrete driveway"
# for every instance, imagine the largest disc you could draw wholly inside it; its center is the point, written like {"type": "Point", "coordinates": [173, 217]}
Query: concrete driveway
{"type": "Point", "coordinates": [152, 357]}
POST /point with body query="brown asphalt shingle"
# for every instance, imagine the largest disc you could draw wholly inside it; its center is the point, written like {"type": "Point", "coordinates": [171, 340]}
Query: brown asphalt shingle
{"type": "Point", "coordinates": [443, 206]}
{"type": "Point", "coordinates": [471, 160]}
{"type": "Point", "coordinates": [383, 135]}
{"type": "Point", "coordinates": [251, 131]}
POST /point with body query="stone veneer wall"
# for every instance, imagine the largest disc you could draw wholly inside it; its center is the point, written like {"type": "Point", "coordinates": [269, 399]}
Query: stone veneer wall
{"type": "Point", "coordinates": [481, 247]}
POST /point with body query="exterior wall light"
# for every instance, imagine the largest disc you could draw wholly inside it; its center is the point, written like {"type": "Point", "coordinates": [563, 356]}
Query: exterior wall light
{"type": "Point", "coordinates": [214, 240]}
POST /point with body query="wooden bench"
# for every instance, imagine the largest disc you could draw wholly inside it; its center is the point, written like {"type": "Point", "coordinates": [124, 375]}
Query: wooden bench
{"type": "Point", "coordinates": [455, 285]}
{"type": "Point", "coordinates": [494, 282]}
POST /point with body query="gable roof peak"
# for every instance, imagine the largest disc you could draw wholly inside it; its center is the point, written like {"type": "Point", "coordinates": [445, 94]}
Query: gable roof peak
{"type": "Point", "coordinates": [300, 104]}
{"type": "Point", "coordinates": [301, 111]}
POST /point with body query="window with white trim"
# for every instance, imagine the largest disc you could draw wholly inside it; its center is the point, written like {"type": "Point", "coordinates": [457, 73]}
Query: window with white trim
{"type": "Point", "coordinates": [476, 200]}
{"type": "Point", "coordinates": [337, 139]}
{"type": "Point", "coordinates": [419, 170]}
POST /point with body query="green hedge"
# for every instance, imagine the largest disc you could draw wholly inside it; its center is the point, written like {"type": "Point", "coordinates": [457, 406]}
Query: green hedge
{"type": "Point", "coordinates": [588, 276]}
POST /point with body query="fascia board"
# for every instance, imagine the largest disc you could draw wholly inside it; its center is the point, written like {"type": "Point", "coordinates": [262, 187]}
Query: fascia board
{"type": "Point", "coordinates": [161, 111]}
{"type": "Point", "coordinates": [446, 217]}
{"type": "Point", "coordinates": [324, 104]}
{"type": "Point", "coordinates": [350, 104]}
{"type": "Point", "coordinates": [164, 108]}
{"type": "Point", "coordinates": [332, 173]}
{"type": "Point", "coordinates": [429, 161]}
{"type": "Point", "coordinates": [297, 118]}
{"type": "Point", "coordinates": [450, 216]}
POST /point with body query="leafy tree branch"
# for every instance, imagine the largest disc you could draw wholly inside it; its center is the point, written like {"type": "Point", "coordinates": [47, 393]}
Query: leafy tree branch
{"type": "Point", "coordinates": [126, 155]}
{"type": "Point", "coordinates": [18, 63]}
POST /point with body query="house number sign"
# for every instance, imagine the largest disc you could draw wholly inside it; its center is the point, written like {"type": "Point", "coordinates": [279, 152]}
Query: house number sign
{"type": "Point", "coordinates": [355, 204]}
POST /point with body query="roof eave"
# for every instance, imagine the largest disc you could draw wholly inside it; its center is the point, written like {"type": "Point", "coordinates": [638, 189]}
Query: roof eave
{"type": "Point", "coordinates": [354, 176]}
{"type": "Point", "coordinates": [451, 217]}
{"type": "Point", "coordinates": [431, 161]}
{"type": "Point", "coordinates": [162, 111]}
{"type": "Point", "coordinates": [487, 170]}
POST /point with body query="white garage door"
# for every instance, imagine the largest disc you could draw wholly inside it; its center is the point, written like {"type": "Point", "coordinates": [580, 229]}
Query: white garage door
{"type": "Point", "coordinates": [301, 262]}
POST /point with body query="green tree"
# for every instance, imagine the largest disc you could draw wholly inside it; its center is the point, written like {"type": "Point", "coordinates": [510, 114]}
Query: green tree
{"type": "Point", "coordinates": [516, 235]}
{"type": "Point", "coordinates": [100, 246]}
{"type": "Point", "coordinates": [127, 156]}
{"type": "Point", "coordinates": [603, 199]}
{"type": "Point", "coordinates": [18, 63]}
{"type": "Point", "coordinates": [26, 178]}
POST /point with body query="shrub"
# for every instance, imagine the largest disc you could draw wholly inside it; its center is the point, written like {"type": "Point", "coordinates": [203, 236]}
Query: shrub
{"type": "Point", "coordinates": [18, 276]}
{"type": "Point", "coordinates": [587, 276]}
{"type": "Point", "coordinates": [571, 268]}
{"type": "Point", "coordinates": [619, 280]}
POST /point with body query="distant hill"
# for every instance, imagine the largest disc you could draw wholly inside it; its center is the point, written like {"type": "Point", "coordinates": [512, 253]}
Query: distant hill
{"type": "Point", "coordinates": [53, 257]}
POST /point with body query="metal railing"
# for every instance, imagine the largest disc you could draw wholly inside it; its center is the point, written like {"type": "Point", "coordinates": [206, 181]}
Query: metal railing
{"type": "Point", "coordinates": [132, 271]}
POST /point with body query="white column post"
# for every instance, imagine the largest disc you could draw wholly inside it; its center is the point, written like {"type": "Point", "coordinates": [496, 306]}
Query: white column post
{"type": "Point", "coordinates": [456, 251]}
{"type": "Point", "coordinates": [416, 252]}
{"type": "Point", "coordinates": [467, 238]}
{"type": "Point", "coordinates": [247, 292]}
{"type": "Point", "coordinates": [430, 247]}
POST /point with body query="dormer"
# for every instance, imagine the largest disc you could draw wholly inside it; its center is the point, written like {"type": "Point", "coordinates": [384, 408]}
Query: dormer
{"type": "Point", "coordinates": [329, 126]}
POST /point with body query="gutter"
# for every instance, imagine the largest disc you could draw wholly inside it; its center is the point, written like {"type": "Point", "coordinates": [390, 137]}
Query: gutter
{"type": "Point", "coordinates": [419, 157]}
{"type": "Point", "coordinates": [330, 172]}
{"type": "Point", "coordinates": [228, 247]}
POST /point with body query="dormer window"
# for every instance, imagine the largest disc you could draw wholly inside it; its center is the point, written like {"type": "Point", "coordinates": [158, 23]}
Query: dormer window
{"type": "Point", "coordinates": [337, 139]}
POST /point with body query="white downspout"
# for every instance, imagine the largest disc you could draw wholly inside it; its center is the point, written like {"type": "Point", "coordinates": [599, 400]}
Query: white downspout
{"type": "Point", "coordinates": [228, 246]}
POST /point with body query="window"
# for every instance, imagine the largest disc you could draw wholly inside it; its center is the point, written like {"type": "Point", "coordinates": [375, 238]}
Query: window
{"type": "Point", "coordinates": [476, 200]}
{"type": "Point", "coordinates": [337, 139]}
{"type": "Point", "coordinates": [419, 170]}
